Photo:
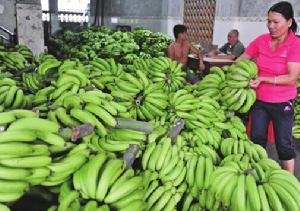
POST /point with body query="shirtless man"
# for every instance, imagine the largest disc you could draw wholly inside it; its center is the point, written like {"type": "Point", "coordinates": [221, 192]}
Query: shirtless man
{"type": "Point", "coordinates": [180, 49]}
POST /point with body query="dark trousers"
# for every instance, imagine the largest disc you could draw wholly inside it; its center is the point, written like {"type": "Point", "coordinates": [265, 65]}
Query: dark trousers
{"type": "Point", "coordinates": [282, 115]}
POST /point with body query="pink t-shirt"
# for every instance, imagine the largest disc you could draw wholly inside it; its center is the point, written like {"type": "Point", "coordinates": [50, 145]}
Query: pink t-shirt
{"type": "Point", "coordinates": [274, 63]}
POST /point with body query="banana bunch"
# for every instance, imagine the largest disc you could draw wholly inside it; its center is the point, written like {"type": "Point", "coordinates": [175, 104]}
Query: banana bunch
{"type": "Point", "coordinates": [32, 82]}
{"type": "Point", "coordinates": [243, 146]}
{"type": "Point", "coordinates": [186, 106]}
{"type": "Point", "coordinates": [25, 155]}
{"type": "Point", "coordinates": [13, 61]}
{"type": "Point", "coordinates": [198, 174]}
{"type": "Point", "coordinates": [235, 93]}
{"type": "Point", "coordinates": [24, 51]}
{"type": "Point", "coordinates": [62, 168]}
{"type": "Point", "coordinates": [106, 180]}
{"type": "Point", "coordinates": [282, 191]}
{"type": "Point", "coordinates": [167, 160]}
{"type": "Point", "coordinates": [104, 73]}
{"type": "Point", "coordinates": [68, 199]}
{"type": "Point", "coordinates": [48, 66]}
{"type": "Point", "coordinates": [2, 206]}
{"type": "Point", "coordinates": [94, 107]}
{"type": "Point", "coordinates": [210, 137]}
{"type": "Point", "coordinates": [238, 188]}
{"type": "Point", "coordinates": [69, 74]}
{"type": "Point", "coordinates": [163, 197]}
{"type": "Point", "coordinates": [139, 64]}
{"type": "Point", "coordinates": [168, 73]}
{"type": "Point", "coordinates": [11, 96]}
{"type": "Point", "coordinates": [204, 201]}
{"type": "Point", "coordinates": [210, 85]}
{"type": "Point", "coordinates": [117, 140]}
{"type": "Point", "coordinates": [203, 150]}
{"type": "Point", "coordinates": [197, 112]}
{"type": "Point", "coordinates": [143, 99]}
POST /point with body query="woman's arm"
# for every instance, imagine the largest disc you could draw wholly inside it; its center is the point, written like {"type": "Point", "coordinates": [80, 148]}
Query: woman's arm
{"type": "Point", "coordinates": [288, 79]}
{"type": "Point", "coordinates": [244, 56]}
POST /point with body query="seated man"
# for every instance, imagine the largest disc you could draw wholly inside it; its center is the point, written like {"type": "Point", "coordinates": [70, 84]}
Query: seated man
{"type": "Point", "coordinates": [232, 49]}
{"type": "Point", "coordinates": [179, 50]}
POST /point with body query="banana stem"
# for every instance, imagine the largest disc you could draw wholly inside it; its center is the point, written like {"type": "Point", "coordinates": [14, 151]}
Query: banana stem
{"type": "Point", "coordinates": [132, 124]}
{"type": "Point", "coordinates": [139, 100]}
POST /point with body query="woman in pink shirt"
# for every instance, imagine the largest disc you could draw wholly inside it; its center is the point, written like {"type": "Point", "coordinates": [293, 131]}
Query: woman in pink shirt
{"type": "Point", "coordinates": [277, 55]}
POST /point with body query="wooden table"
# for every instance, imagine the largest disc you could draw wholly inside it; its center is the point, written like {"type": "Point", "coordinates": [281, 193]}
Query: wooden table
{"type": "Point", "coordinates": [217, 62]}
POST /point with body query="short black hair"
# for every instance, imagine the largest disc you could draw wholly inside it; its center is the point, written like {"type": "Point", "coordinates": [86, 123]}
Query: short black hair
{"type": "Point", "coordinates": [235, 31]}
{"type": "Point", "coordinates": [179, 28]}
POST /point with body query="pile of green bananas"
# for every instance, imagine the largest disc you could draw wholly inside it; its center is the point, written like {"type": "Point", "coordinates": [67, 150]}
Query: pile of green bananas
{"type": "Point", "coordinates": [12, 96]}
{"type": "Point", "coordinates": [25, 51]}
{"type": "Point", "coordinates": [211, 84]}
{"type": "Point", "coordinates": [236, 94]}
{"type": "Point", "coordinates": [14, 61]}
{"type": "Point", "coordinates": [237, 186]}
{"type": "Point", "coordinates": [168, 73]}
{"type": "Point", "coordinates": [125, 47]}
{"type": "Point", "coordinates": [117, 140]}
{"type": "Point", "coordinates": [25, 155]}
{"type": "Point", "coordinates": [63, 167]}
{"type": "Point", "coordinates": [231, 146]}
{"type": "Point", "coordinates": [196, 158]}
{"type": "Point", "coordinates": [196, 111]}
{"type": "Point", "coordinates": [143, 99]}
{"type": "Point", "coordinates": [104, 73]}
{"type": "Point", "coordinates": [106, 180]}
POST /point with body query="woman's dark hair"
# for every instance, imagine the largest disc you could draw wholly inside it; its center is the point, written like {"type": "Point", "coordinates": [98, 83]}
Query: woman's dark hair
{"type": "Point", "coordinates": [179, 29]}
{"type": "Point", "coordinates": [286, 10]}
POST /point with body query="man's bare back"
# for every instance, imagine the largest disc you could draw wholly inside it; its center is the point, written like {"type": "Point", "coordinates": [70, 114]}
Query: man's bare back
{"type": "Point", "coordinates": [179, 52]}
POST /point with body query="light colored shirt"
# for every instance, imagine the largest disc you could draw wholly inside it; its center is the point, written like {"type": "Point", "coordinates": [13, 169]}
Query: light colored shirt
{"type": "Point", "coordinates": [274, 63]}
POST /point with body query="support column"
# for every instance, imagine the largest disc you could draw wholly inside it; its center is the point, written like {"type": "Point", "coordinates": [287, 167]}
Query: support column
{"type": "Point", "coordinates": [53, 11]}
{"type": "Point", "coordinates": [30, 25]}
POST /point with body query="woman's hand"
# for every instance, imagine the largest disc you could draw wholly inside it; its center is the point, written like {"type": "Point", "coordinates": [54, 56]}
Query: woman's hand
{"type": "Point", "coordinates": [255, 83]}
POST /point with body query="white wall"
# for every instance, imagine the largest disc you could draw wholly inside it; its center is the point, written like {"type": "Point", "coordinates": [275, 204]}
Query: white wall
{"type": "Point", "coordinates": [249, 29]}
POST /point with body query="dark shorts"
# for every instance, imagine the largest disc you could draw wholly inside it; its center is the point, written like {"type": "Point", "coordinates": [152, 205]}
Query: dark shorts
{"type": "Point", "coordinates": [281, 115]}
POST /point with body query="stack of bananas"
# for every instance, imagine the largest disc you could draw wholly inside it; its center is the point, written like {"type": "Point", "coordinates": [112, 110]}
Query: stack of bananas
{"type": "Point", "coordinates": [25, 51]}
{"type": "Point", "coordinates": [237, 187]}
{"type": "Point", "coordinates": [62, 168]}
{"type": "Point", "coordinates": [31, 82]}
{"type": "Point", "coordinates": [48, 66]}
{"type": "Point", "coordinates": [105, 72]}
{"type": "Point", "coordinates": [25, 155]}
{"type": "Point", "coordinates": [200, 169]}
{"type": "Point", "coordinates": [14, 61]}
{"type": "Point", "coordinates": [236, 94]}
{"type": "Point", "coordinates": [117, 140]}
{"type": "Point", "coordinates": [143, 99]}
{"type": "Point", "coordinates": [163, 197]}
{"type": "Point", "coordinates": [211, 84]}
{"type": "Point", "coordinates": [231, 146]}
{"type": "Point", "coordinates": [203, 136]}
{"type": "Point", "coordinates": [69, 199]}
{"type": "Point", "coordinates": [94, 107]}
{"type": "Point", "coordinates": [106, 180]}
{"type": "Point", "coordinates": [139, 64]}
{"type": "Point", "coordinates": [168, 73]}
{"type": "Point", "coordinates": [12, 96]}
{"type": "Point", "coordinates": [197, 112]}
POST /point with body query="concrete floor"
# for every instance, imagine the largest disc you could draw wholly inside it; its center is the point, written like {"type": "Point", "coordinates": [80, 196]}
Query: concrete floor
{"type": "Point", "coordinates": [273, 154]}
